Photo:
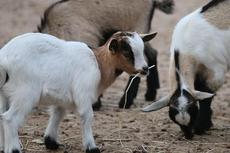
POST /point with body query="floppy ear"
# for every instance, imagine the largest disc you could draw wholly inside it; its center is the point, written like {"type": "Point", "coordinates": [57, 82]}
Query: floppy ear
{"type": "Point", "coordinates": [113, 46]}
{"type": "Point", "coordinates": [148, 37]}
{"type": "Point", "coordinates": [163, 102]}
{"type": "Point", "coordinates": [202, 95]}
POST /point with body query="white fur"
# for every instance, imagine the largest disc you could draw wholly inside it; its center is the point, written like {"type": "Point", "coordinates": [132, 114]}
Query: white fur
{"type": "Point", "coordinates": [51, 71]}
{"type": "Point", "coordinates": [183, 118]}
{"type": "Point", "coordinates": [209, 45]}
{"type": "Point", "coordinates": [137, 46]}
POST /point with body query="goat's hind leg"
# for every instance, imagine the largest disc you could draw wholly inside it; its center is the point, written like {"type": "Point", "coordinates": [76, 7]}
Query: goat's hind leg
{"type": "Point", "coordinates": [20, 105]}
{"type": "Point", "coordinates": [3, 108]}
{"type": "Point", "coordinates": [51, 133]}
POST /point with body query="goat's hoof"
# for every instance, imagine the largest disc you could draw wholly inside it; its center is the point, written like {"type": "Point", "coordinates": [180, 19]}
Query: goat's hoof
{"type": "Point", "coordinates": [97, 106]}
{"type": "Point", "coordinates": [199, 131]}
{"type": "Point", "coordinates": [93, 150]}
{"type": "Point", "coordinates": [188, 136]}
{"type": "Point", "coordinates": [15, 151]}
{"type": "Point", "coordinates": [50, 143]}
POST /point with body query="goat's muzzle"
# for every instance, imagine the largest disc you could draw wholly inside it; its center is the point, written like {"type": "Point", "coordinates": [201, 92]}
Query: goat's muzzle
{"type": "Point", "coordinates": [144, 71]}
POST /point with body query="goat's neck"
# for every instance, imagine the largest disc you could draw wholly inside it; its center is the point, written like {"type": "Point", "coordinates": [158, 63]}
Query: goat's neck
{"type": "Point", "coordinates": [107, 67]}
{"type": "Point", "coordinates": [188, 67]}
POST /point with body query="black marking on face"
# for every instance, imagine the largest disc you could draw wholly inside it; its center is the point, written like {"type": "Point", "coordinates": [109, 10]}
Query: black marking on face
{"type": "Point", "coordinates": [173, 105]}
{"type": "Point", "coordinates": [172, 114]}
{"type": "Point", "coordinates": [211, 4]}
{"type": "Point", "coordinates": [191, 109]}
{"type": "Point", "coordinates": [188, 96]}
{"type": "Point", "coordinates": [127, 51]}
{"type": "Point", "coordinates": [44, 20]}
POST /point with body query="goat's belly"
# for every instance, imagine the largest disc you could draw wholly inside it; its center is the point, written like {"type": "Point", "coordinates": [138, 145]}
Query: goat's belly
{"type": "Point", "coordinates": [57, 98]}
{"type": "Point", "coordinates": [51, 101]}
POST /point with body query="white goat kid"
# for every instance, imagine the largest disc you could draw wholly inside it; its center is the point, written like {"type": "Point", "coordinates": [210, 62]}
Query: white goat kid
{"type": "Point", "coordinates": [200, 57]}
{"type": "Point", "coordinates": [39, 68]}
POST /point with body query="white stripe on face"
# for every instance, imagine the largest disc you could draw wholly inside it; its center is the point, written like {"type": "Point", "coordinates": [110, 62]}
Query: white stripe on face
{"type": "Point", "coordinates": [137, 45]}
{"type": "Point", "coordinates": [183, 117]}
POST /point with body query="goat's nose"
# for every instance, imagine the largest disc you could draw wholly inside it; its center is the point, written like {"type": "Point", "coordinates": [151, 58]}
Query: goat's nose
{"type": "Point", "coordinates": [145, 70]}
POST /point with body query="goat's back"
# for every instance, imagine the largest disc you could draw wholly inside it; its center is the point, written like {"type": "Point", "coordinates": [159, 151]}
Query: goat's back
{"type": "Point", "coordinates": [49, 64]}
{"type": "Point", "coordinates": [89, 21]}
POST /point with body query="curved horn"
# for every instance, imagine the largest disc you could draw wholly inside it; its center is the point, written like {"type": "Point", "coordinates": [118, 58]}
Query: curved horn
{"type": "Point", "coordinates": [163, 102]}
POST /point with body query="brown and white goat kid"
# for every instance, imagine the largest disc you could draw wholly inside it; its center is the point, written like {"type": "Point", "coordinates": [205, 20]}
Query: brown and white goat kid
{"type": "Point", "coordinates": [200, 57]}
{"type": "Point", "coordinates": [94, 21]}
{"type": "Point", "coordinates": [38, 68]}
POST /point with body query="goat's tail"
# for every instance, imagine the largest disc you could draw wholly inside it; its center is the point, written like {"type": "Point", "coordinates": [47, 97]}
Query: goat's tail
{"type": "Point", "coordinates": [166, 6]}
{"type": "Point", "coordinates": [3, 76]}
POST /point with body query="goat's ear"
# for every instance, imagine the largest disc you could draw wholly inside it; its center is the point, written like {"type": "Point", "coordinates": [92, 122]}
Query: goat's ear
{"type": "Point", "coordinates": [113, 46]}
{"type": "Point", "coordinates": [163, 102]}
{"type": "Point", "coordinates": [148, 37]}
{"type": "Point", "coordinates": [202, 95]}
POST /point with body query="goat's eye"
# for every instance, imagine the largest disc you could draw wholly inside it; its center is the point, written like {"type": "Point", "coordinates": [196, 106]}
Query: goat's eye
{"type": "Point", "coordinates": [126, 49]}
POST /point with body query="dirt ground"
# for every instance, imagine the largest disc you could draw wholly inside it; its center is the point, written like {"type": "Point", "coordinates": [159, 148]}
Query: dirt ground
{"type": "Point", "coordinates": [116, 130]}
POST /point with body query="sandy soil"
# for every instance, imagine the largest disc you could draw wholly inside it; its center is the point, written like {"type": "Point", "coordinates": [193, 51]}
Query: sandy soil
{"type": "Point", "coordinates": [116, 130]}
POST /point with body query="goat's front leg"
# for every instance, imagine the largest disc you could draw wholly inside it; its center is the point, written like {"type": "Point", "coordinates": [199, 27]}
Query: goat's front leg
{"type": "Point", "coordinates": [131, 93]}
{"type": "Point", "coordinates": [51, 133]}
{"type": "Point", "coordinates": [153, 82]}
{"type": "Point", "coordinates": [204, 119]}
{"type": "Point", "coordinates": [86, 113]}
